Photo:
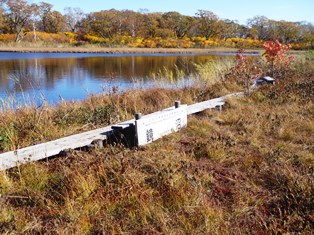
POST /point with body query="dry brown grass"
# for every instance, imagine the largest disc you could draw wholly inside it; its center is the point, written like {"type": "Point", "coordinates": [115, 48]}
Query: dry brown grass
{"type": "Point", "coordinates": [245, 170]}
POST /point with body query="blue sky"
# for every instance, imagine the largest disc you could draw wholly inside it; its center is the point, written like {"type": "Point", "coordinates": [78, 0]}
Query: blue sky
{"type": "Point", "coordinates": [241, 10]}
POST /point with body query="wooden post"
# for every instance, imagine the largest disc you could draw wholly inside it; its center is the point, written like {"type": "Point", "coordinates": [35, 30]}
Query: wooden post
{"type": "Point", "coordinates": [177, 104]}
{"type": "Point", "coordinates": [218, 107]}
{"type": "Point", "coordinates": [138, 116]}
{"type": "Point", "coordinates": [99, 144]}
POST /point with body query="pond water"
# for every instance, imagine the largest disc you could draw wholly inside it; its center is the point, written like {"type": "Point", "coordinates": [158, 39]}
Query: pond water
{"type": "Point", "coordinates": [32, 77]}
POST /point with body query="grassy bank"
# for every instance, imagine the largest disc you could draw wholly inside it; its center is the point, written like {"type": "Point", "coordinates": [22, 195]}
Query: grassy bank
{"type": "Point", "coordinates": [31, 125]}
{"type": "Point", "coordinates": [245, 170]}
{"type": "Point", "coordinates": [114, 50]}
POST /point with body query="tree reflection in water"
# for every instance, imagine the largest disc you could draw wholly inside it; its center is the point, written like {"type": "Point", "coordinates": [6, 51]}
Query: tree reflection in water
{"type": "Point", "coordinates": [75, 76]}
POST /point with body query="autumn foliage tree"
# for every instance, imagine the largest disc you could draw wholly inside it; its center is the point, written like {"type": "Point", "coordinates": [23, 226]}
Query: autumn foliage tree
{"type": "Point", "coordinates": [50, 21]}
{"type": "Point", "coordinates": [277, 63]}
{"type": "Point", "coordinates": [245, 70]}
{"type": "Point", "coordinates": [73, 18]}
{"type": "Point", "coordinates": [147, 29]}
{"type": "Point", "coordinates": [19, 16]}
{"type": "Point", "coordinates": [277, 58]}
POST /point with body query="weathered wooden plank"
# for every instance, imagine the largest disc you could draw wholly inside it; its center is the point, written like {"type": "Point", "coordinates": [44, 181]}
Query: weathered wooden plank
{"type": "Point", "coordinates": [51, 148]}
{"type": "Point", "coordinates": [209, 104]}
{"type": "Point", "coordinates": [156, 125]}
{"type": "Point", "coordinates": [237, 94]}
{"type": "Point", "coordinates": [269, 79]}
{"type": "Point", "coordinates": [123, 125]}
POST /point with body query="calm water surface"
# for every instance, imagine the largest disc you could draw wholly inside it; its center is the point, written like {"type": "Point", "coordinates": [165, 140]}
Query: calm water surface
{"type": "Point", "coordinates": [73, 76]}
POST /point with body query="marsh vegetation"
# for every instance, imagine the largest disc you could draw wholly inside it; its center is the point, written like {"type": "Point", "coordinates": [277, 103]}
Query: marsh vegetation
{"type": "Point", "coordinates": [245, 170]}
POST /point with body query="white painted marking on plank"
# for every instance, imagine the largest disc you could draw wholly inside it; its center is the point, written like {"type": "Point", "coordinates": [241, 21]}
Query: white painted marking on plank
{"type": "Point", "coordinates": [156, 125]}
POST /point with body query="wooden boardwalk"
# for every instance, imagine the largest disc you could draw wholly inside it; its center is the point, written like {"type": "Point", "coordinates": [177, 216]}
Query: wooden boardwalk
{"type": "Point", "coordinates": [52, 148]}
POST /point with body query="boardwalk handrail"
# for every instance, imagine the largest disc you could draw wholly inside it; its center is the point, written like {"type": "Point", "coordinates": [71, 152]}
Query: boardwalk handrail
{"type": "Point", "coordinates": [52, 148]}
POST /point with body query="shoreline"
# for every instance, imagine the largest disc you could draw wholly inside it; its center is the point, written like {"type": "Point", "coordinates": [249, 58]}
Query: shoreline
{"type": "Point", "coordinates": [123, 50]}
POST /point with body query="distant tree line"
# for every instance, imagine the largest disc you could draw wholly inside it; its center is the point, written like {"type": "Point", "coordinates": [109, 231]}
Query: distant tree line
{"type": "Point", "coordinates": [21, 18]}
